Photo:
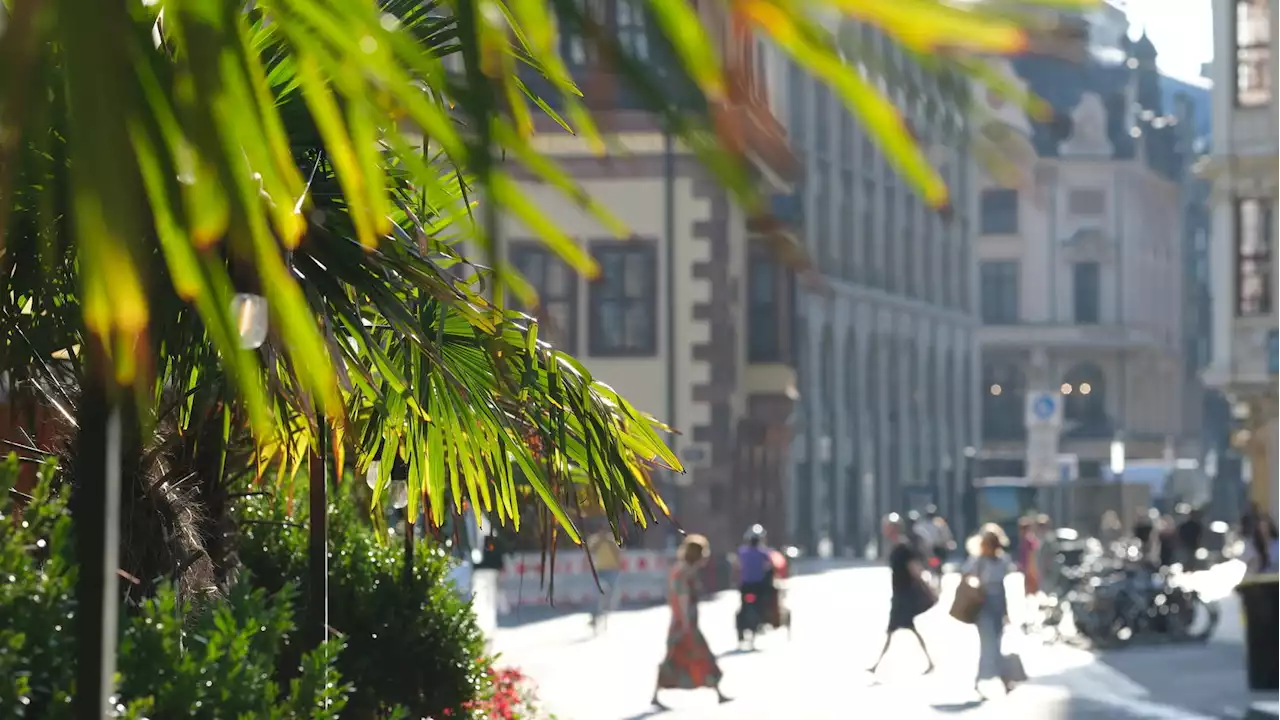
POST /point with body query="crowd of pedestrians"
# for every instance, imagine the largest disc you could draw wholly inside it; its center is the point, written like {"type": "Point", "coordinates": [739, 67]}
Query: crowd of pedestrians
{"type": "Point", "coordinates": [920, 546]}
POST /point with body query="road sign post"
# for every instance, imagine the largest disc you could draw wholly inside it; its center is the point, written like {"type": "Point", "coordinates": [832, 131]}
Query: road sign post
{"type": "Point", "coordinates": [1044, 423]}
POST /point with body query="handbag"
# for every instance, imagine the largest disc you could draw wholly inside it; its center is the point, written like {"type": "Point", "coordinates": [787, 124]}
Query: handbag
{"type": "Point", "coordinates": [1013, 671]}
{"type": "Point", "coordinates": [968, 600]}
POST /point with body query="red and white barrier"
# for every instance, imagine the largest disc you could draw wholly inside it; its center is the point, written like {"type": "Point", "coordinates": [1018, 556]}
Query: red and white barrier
{"type": "Point", "coordinates": [522, 582]}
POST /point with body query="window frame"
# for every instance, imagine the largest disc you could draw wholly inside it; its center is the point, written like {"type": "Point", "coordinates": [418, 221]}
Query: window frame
{"type": "Point", "coordinates": [997, 316]}
{"type": "Point", "coordinates": [983, 227]}
{"type": "Point", "coordinates": [582, 51]}
{"type": "Point", "coordinates": [1262, 255]}
{"type": "Point", "coordinates": [1076, 296]}
{"type": "Point", "coordinates": [770, 314]}
{"type": "Point", "coordinates": [597, 296]}
{"type": "Point", "coordinates": [1264, 48]}
{"type": "Point", "coordinates": [564, 338]}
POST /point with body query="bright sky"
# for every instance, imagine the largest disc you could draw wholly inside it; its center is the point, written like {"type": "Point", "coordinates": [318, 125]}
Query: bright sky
{"type": "Point", "coordinates": [1181, 29]}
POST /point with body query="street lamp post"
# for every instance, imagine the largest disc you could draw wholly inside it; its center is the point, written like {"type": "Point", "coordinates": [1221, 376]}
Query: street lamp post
{"type": "Point", "coordinates": [1117, 472]}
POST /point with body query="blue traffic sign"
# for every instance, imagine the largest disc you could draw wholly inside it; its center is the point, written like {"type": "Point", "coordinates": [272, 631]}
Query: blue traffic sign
{"type": "Point", "coordinates": [1044, 407]}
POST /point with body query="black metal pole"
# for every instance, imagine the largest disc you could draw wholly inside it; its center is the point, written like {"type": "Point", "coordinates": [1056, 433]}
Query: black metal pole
{"type": "Point", "coordinates": [318, 545]}
{"type": "Point", "coordinates": [408, 546]}
{"type": "Point", "coordinates": [95, 506]}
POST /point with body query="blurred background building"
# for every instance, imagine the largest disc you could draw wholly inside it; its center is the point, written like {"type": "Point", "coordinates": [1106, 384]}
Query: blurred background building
{"type": "Point", "coordinates": [884, 334]}
{"type": "Point", "coordinates": [691, 317]}
{"type": "Point", "coordinates": [1242, 168]}
{"type": "Point", "coordinates": [1092, 299]}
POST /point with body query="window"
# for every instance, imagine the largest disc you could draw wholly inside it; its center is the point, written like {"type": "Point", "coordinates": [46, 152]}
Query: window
{"type": "Point", "coordinates": [767, 289]}
{"type": "Point", "coordinates": [1255, 219]}
{"type": "Point", "coordinates": [1086, 289]}
{"type": "Point", "coordinates": [625, 17]}
{"type": "Point", "coordinates": [890, 238]}
{"type": "Point", "coordinates": [999, 287]}
{"type": "Point", "coordinates": [557, 287]}
{"type": "Point", "coordinates": [999, 211]}
{"type": "Point", "coordinates": [1253, 53]}
{"type": "Point", "coordinates": [946, 269]}
{"type": "Point", "coordinates": [1004, 393]}
{"type": "Point", "coordinates": [930, 255]}
{"type": "Point", "coordinates": [871, 260]}
{"type": "Point", "coordinates": [624, 300]}
{"type": "Point", "coordinates": [796, 84]}
{"type": "Point", "coordinates": [823, 240]}
{"type": "Point", "coordinates": [964, 263]}
{"type": "Point", "coordinates": [852, 245]}
{"type": "Point", "coordinates": [909, 242]}
{"type": "Point", "coordinates": [1084, 401]}
{"type": "Point", "coordinates": [822, 117]}
{"type": "Point", "coordinates": [966, 259]}
{"type": "Point", "coordinates": [633, 35]}
{"type": "Point", "coordinates": [577, 49]}
{"type": "Point", "coordinates": [761, 84]}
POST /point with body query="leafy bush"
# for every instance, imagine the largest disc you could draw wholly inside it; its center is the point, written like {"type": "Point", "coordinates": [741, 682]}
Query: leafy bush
{"type": "Point", "coordinates": [174, 660]}
{"type": "Point", "coordinates": [414, 644]}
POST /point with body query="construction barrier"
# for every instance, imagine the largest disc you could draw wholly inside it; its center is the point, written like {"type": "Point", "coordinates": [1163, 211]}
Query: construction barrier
{"type": "Point", "coordinates": [522, 582]}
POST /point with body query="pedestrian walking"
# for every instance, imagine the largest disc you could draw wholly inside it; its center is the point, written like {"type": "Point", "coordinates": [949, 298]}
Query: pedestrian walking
{"type": "Point", "coordinates": [1110, 530]}
{"type": "Point", "coordinates": [1191, 538]}
{"type": "Point", "coordinates": [1167, 536]}
{"type": "Point", "coordinates": [689, 663]}
{"type": "Point", "coordinates": [606, 557]}
{"type": "Point", "coordinates": [1029, 555]}
{"type": "Point", "coordinates": [989, 566]}
{"type": "Point", "coordinates": [911, 598]}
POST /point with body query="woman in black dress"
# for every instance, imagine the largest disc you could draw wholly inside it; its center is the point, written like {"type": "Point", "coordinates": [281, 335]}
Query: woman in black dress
{"type": "Point", "coordinates": [911, 597]}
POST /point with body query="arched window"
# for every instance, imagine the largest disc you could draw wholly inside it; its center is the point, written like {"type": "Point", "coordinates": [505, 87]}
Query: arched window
{"type": "Point", "coordinates": [1004, 391]}
{"type": "Point", "coordinates": [827, 377]}
{"type": "Point", "coordinates": [934, 418]}
{"type": "Point", "coordinates": [873, 383]}
{"type": "Point", "coordinates": [852, 389]}
{"type": "Point", "coordinates": [1084, 401]}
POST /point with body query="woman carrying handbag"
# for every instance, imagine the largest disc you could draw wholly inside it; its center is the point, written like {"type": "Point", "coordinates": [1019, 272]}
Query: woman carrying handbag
{"type": "Point", "coordinates": [981, 601]}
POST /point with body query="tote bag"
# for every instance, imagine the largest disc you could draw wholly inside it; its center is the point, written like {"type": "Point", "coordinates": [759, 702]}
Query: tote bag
{"type": "Point", "coordinates": [968, 600]}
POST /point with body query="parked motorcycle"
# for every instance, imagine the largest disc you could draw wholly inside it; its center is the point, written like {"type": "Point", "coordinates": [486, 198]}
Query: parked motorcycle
{"type": "Point", "coordinates": [1116, 606]}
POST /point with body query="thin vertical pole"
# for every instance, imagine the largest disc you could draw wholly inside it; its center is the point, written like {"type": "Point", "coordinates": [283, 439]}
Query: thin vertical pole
{"type": "Point", "coordinates": [96, 509]}
{"type": "Point", "coordinates": [318, 545]}
{"type": "Point", "coordinates": [408, 547]}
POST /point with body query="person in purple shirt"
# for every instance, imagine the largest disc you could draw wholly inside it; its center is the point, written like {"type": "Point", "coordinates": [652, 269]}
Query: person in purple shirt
{"type": "Point", "coordinates": [755, 564]}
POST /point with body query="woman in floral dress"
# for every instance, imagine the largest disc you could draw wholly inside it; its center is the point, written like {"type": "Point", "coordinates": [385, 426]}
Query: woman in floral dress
{"type": "Point", "coordinates": [689, 663]}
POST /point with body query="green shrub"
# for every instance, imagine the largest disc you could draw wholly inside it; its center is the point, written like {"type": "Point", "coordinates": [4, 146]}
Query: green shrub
{"type": "Point", "coordinates": [174, 661]}
{"type": "Point", "coordinates": [412, 644]}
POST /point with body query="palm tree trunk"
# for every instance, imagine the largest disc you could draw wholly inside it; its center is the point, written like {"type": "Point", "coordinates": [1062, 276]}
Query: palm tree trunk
{"type": "Point", "coordinates": [103, 413]}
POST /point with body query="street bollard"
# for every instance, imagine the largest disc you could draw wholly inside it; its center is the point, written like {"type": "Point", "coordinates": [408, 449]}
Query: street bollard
{"type": "Point", "coordinates": [1259, 596]}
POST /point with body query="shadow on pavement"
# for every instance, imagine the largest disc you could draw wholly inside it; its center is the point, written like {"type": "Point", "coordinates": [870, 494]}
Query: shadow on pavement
{"type": "Point", "coordinates": [957, 707]}
{"type": "Point", "coordinates": [539, 613]}
{"type": "Point", "coordinates": [653, 712]}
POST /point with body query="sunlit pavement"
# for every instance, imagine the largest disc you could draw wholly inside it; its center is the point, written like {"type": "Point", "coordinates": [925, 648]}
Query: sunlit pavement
{"type": "Point", "coordinates": [819, 673]}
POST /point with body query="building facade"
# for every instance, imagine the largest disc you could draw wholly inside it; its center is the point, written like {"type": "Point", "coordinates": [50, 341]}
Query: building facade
{"type": "Point", "coordinates": [885, 325]}
{"type": "Point", "coordinates": [1081, 272]}
{"type": "Point", "coordinates": [690, 317]}
{"type": "Point", "coordinates": [1242, 169]}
